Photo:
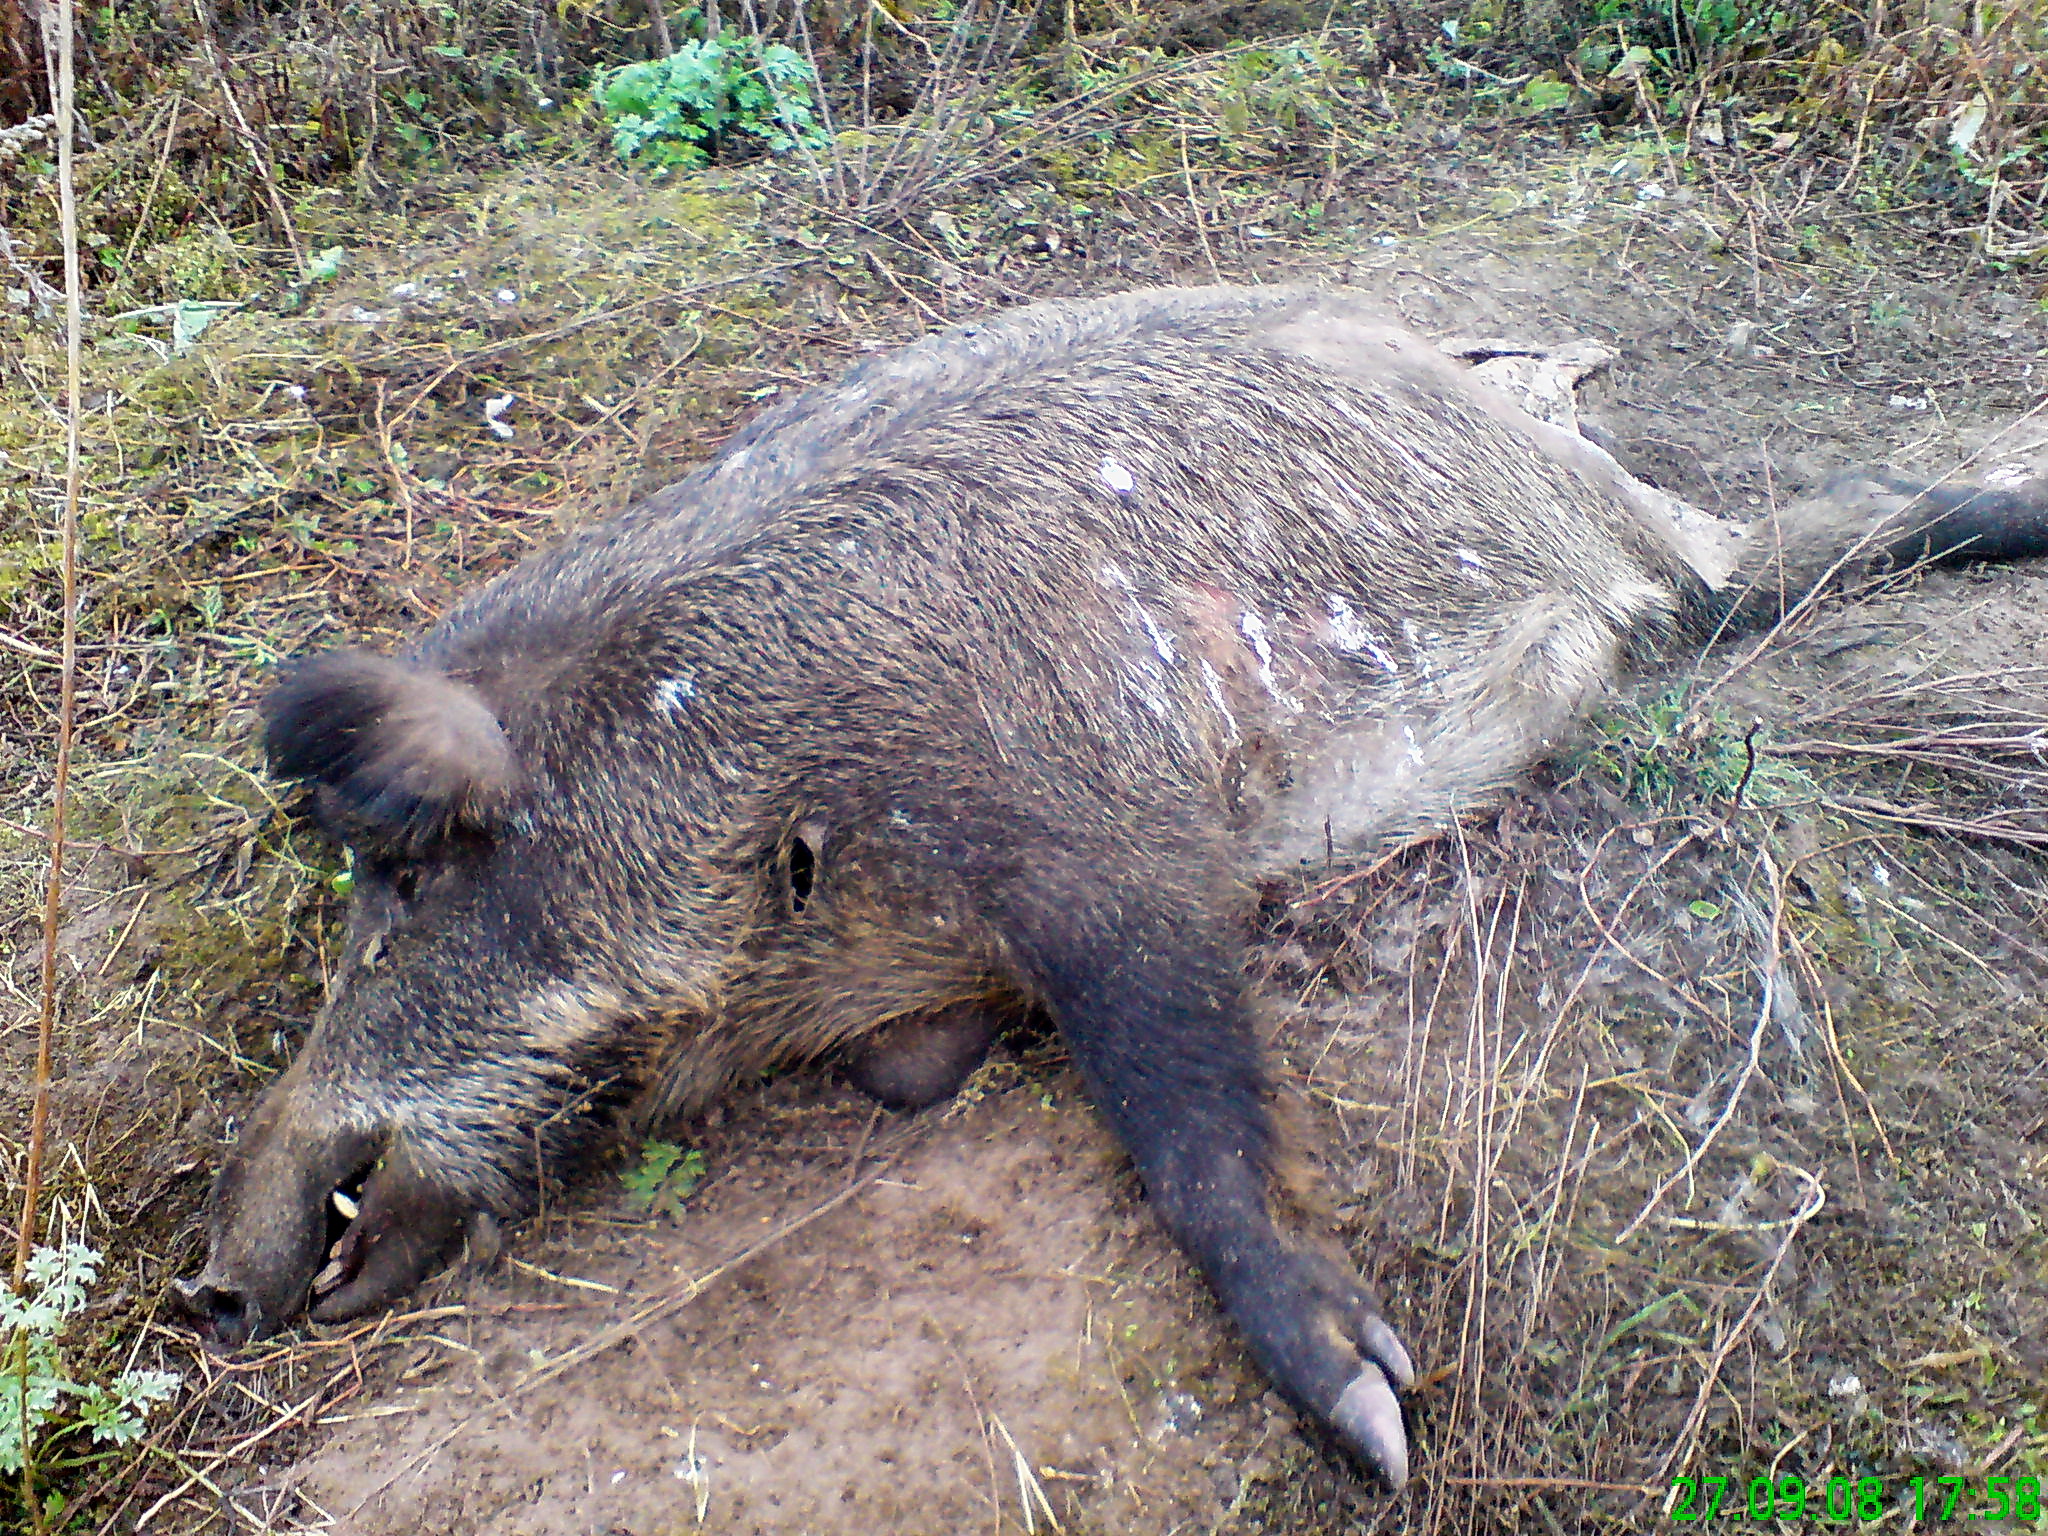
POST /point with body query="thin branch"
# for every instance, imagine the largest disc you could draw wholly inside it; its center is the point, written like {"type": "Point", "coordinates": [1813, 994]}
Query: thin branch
{"type": "Point", "coordinates": [67, 697]}
{"type": "Point", "coordinates": [1766, 1010]}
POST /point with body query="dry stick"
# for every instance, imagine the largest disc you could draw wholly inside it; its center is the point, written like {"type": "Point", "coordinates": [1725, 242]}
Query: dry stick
{"type": "Point", "coordinates": [1681, 1448]}
{"type": "Point", "coordinates": [663, 40]}
{"type": "Point", "coordinates": [569, 327]}
{"type": "Point", "coordinates": [1591, 1485]}
{"type": "Point", "coordinates": [1766, 1007]}
{"type": "Point", "coordinates": [67, 695]}
{"type": "Point", "coordinates": [27, 648]}
{"type": "Point", "coordinates": [156, 180]}
{"type": "Point", "coordinates": [1546, 1228]}
{"type": "Point", "coordinates": [665, 1305]}
{"type": "Point", "coordinates": [253, 144]}
{"type": "Point", "coordinates": [1187, 177]}
{"type": "Point", "coordinates": [400, 478]}
{"type": "Point", "coordinates": [671, 1302]}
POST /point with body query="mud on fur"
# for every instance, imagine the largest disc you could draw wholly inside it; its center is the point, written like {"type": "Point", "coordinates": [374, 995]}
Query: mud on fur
{"type": "Point", "coordinates": [978, 684]}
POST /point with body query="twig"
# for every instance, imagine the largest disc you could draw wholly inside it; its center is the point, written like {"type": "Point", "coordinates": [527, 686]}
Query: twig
{"type": "Point", "coordinates": [1681, 1447]}
{"type": "Point", "coordinates": [67, 696]}
{"type": "Point", "coordinates": [1993, 827]}
{"type": "Point", "coordinates": [1187, 177]}
{"type": "Point", "coordinates": [254, 145]}
{"type": "Point", "coordinates": [14, 642]}
{"type": "Point", "coordinates": [608, 316]}
{"type": "Point", "coordinates": [1766, 1008]}
{"type": "Point", "coordinates": [156, 181]}
{"type": "Point", "coordinates": [401, 480]}
{"type": "Point", "coordinates": [1590, 1485]}
{"type": "Point", "coordinates": [1030, 1491]}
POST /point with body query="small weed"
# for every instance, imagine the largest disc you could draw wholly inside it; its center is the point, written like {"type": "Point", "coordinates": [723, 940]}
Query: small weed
{"type": "Point", "coordinates": [678, 113]}
{"type": "Point", "coordinates": [1666, 751]}
{"type": "Point", "coordinates": [666, 1177]}
{"type": "Point", "coordinates": [1278, 89]}
{"type": "Point", "coordinates": [40, 1400]}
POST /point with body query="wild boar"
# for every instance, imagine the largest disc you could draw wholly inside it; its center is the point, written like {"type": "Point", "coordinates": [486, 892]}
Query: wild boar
{"type": "Point", "coordinates": [977, 684]}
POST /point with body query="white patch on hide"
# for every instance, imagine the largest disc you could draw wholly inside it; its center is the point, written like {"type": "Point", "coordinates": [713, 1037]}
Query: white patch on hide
{"type": "Point", "coordinates": [1162, 642]}
{"type": "Point", "coordinates": [1253, 628]}
{"type": "Point", "coordinates": [1118, 478]}
{"type": "Point", "coordinates": [1214, 684]}
{"type": "Point", "coordinates": [1348, 633]}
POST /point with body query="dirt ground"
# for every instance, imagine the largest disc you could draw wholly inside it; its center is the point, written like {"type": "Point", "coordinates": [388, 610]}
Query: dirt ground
{"type": "Point", "coordinates": [1688, 1124]}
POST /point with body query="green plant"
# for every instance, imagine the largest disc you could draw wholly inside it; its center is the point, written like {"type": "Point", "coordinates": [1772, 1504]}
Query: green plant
{"type": "Point", "coordinates": [1281, 88]}
{"type": "Point", "coordinates": [40, 1399]}
{"type": "Point", "coordinates": [666, 1177]}
{"type": "Point", "coordinates": [680, 112]}
{"type": "Point", "coordinates": [1667, 751]}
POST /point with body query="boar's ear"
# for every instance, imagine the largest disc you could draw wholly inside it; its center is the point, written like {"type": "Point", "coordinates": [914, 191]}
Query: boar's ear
{"type": "Point", "coordinates": [402, 756]}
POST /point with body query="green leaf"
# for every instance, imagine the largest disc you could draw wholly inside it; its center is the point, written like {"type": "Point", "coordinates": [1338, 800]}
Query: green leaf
{"type": "Point", "coordinates": [1632, 63]}
{"type": "Point", "coordinates": [189, 317]}
{"type": "Point", "coordinates": [666, 1177]}
{"type": "Point", "coordinates": [1705, 911]}
{"type": "Point", "coordinates": [673, 113]}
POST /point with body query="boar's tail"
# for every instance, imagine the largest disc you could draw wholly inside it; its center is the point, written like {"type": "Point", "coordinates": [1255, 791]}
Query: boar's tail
{"type": "Point", "coordinates": [1867, 525]}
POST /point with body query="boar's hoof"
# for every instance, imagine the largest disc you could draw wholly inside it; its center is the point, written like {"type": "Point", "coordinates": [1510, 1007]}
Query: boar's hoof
{"type": "Point", "coordinates": [914, 1063]}
{"type": "Point", "coordinates": [1368, 1420]}
{"type": "Point", "coordinates": [1322, 1341]}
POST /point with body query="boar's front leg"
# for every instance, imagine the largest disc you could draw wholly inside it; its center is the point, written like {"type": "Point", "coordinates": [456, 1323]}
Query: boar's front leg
{"type": "Point", "coordinates": [1136, 952]}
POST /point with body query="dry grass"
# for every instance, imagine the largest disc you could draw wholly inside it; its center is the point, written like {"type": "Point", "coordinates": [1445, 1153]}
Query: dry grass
{"type": "Point", "coordinates": [1634, 1085]}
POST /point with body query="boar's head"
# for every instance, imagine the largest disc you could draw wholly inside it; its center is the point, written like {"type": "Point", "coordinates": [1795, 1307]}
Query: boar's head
{"type": "Point", "coordinates": [472, 1026]}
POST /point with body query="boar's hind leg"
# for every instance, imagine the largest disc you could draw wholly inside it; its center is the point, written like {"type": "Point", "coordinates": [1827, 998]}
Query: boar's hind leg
{"type": "Point", "coordinates": [1145, 984]}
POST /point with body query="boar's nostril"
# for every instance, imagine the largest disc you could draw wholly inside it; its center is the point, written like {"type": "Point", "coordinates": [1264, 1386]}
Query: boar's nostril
{"type": "Point", "coordinates": [221, 1313]}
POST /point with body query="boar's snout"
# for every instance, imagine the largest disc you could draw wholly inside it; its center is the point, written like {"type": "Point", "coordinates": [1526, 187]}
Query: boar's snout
{"type": "Point", "coordinates": [279, 1238]}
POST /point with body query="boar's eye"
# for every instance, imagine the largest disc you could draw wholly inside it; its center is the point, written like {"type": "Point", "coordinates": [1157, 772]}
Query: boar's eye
{"type": "Point", "coordinates": [803, 871]}
{"type": "Point", "coordinates": [405, 882]}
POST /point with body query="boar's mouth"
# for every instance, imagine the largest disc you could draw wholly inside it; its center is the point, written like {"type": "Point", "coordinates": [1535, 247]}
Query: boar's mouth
{"type": "Point", "coordinates": [402, 1230]}
{"type": "Point", "coordinates": [339, 1235]}
{"type": "Point", "coordinates": [347, 1245]}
